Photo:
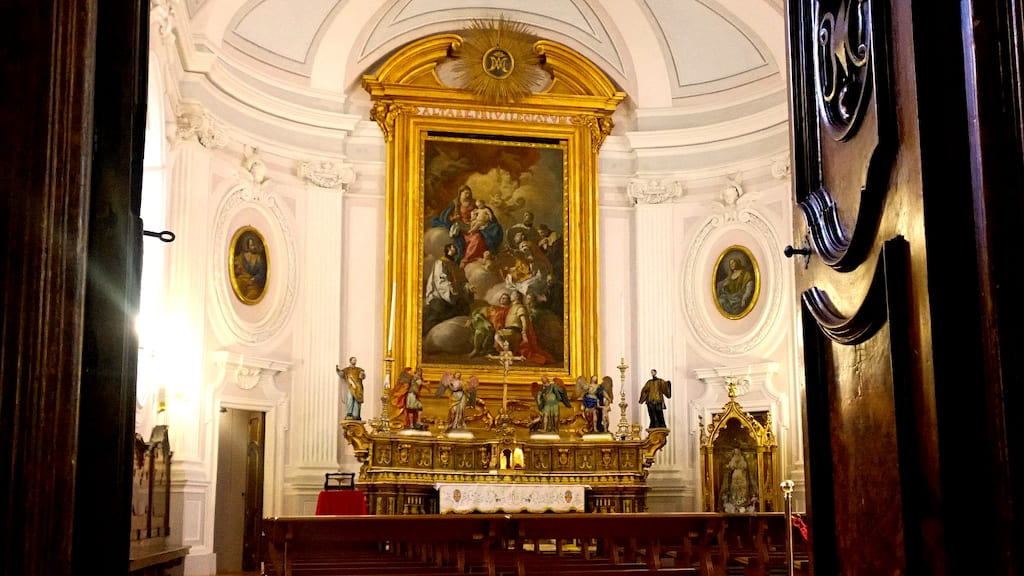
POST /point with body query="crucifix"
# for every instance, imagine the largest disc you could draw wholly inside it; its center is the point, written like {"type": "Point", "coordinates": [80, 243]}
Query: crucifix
{"type": "Point", "coordinates": [505, 358]}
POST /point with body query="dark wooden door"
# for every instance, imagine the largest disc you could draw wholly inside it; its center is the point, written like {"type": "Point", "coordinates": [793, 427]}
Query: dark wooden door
{"type": "Point", "coordinates": [253, 492]}
{"type": "Point", "coordinates": [905, 396]}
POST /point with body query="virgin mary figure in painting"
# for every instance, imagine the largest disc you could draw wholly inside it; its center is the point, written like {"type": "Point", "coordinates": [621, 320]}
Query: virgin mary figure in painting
{"type": "Point", "coordinates": [472, 226]}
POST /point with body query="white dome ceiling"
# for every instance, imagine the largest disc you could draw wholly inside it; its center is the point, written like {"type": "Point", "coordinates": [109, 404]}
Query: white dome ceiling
{"type": "Point", "coordinates": [696, 72]}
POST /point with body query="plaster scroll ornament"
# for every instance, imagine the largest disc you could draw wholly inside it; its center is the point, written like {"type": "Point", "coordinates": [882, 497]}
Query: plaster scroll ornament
{"type": "Point", "coordinates": [247, 377]}
{"type": "Point", "coordinates": [780, 168]}
{"type": "Point", "coordinates": [161, 14]}
{"type": "Point", "coordinates": [327, 174]}
{"type": "Point", "coordinates": [654, 191]}
{"type": "Point", "coordinates": [197, 123]}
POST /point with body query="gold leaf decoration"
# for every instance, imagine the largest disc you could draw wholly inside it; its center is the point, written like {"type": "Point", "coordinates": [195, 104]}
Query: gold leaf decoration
{"type": "Point", "coordinates": [497, 61]}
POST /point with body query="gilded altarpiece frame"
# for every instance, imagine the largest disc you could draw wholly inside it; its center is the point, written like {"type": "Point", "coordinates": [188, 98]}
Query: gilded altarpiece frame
{"type": "Point", "coordinates": [560, 124]}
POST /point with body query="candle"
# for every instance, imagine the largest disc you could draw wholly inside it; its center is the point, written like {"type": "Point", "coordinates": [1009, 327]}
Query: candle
{"type": "Point", "coordinates": [391, 322]}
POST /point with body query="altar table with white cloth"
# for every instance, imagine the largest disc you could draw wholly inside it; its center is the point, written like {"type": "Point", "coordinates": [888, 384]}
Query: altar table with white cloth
{"type": "Point", "coordinates": [467, 497]}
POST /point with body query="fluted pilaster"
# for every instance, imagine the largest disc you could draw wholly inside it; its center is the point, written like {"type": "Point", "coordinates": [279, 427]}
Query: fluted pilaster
{"type": "Point", "coordinates": [180, 344]}
{"type": "Point", "coordinates": [655, 302]}
{"type": "Point", "coordinates": [322, 289]}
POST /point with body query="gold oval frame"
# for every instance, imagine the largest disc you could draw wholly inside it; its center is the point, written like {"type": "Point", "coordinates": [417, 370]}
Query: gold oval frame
{"type": "Point", "coordinates": [243, 293]}
{"type": "Point", "coordinates": [726, 255]}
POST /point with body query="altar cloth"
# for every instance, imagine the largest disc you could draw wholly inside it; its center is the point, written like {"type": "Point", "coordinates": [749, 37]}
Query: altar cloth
{"type": "Point", "coordinates": [468, 497]}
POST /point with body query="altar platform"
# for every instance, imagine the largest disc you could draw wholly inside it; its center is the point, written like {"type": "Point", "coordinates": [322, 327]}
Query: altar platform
{"type": "Point", "coordinates": [402, 474]}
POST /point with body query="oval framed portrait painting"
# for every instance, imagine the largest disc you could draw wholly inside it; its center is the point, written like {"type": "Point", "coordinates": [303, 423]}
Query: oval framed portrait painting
{"type": "Point", "coordinates": [249, 265]}
{"type": "Point", "coordinates": [735, 282]}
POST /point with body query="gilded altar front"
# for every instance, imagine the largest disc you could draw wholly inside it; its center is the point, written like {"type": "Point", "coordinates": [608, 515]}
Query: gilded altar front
{"type": "Point", "coordinates": [399, 473]}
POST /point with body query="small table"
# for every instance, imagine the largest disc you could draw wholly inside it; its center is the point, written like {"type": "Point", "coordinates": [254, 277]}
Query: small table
{"type": "Point", "coordinates": [468, 497]}
{"type": "Point", "coordinates": [341, 503]}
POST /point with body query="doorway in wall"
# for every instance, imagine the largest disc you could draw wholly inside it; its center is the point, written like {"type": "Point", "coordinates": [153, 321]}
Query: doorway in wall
{"type": "Point", "coordinates": [239, 490]}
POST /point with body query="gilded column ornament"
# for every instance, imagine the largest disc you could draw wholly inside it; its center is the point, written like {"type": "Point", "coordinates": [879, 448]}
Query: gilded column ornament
{"type": "Point", "coordinates": [385, 114]}
{"type": "Point", "coordinates": [600, 128]}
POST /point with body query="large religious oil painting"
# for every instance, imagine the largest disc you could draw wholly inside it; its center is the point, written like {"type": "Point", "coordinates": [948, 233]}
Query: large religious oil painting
{"type": "Point", "coordinates": [493, 225]}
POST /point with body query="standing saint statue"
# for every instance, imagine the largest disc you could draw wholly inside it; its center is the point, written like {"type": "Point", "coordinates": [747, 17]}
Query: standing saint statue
{"type": "Point", "coordinates": [736, 485]}
{"type": "Point", "coordinates": [653, 394]}
{"type": "Point", "coordinates": [353, 376]}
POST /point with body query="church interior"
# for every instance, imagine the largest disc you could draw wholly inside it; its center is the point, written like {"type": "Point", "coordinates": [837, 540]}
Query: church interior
{"type": "Point", "coordinates": [504, 269]}
{"type": "Point", "coordinates": [266, 121]}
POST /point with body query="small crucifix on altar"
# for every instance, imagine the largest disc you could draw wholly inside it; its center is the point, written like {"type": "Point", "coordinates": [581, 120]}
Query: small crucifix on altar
{"type": "Point", "coordinates": [505, 358]}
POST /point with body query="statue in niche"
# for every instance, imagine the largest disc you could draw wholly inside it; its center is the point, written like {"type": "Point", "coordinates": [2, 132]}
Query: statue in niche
{"type": "Point", "coordinates": [737, 493]}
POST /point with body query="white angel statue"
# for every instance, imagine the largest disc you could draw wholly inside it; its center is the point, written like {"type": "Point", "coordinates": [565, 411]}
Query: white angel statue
{"type": "Point", "coordinates": [461, 394]}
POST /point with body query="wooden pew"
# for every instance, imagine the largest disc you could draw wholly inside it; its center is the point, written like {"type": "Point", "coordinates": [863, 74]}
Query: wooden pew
{"type": "Point", "coordinates": [495, 544]}
{"type": "Point", "coordinates": [297, 545]}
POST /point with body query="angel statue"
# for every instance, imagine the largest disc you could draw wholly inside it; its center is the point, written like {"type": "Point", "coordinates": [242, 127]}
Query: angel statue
{"type": "Point", "coordinates": [406, 397]}
{"type": "Point", "coordinates": [549, 394]}
{"type": "Point", "coordinates": [596, 396]}
{"type": "Point", "coordinates": [461, 394]}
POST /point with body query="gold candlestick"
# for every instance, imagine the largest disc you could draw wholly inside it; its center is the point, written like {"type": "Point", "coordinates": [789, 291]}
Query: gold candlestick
{"type": "Point", "coordinates": [624, 431]}
{"type": "Point", "coordinates": [383, 423]}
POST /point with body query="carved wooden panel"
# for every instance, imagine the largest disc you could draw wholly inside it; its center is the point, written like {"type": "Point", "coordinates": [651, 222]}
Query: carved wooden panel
{"type": "Point", "coordinates": [844, 125]}
{"type": "Point", "coordinates": [862, 472]}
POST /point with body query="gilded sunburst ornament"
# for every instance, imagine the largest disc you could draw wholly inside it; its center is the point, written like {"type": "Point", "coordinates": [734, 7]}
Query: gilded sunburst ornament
{"type": "Point", "coordinates": [496, 60]}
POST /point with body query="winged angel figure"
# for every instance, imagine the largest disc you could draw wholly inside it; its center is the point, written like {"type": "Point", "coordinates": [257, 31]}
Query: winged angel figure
{"type": "Point", "coordinates": [460, 394]}
{"type": "Point", "coordinates": [596, 397]}
{"type": "Point", "coordinates": [549, 394]}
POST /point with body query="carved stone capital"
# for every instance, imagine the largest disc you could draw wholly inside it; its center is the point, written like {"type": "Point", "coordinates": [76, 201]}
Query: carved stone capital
{"type": "Point", "coordinates": [654, 191]}
{"type": "Point", "coordinates": [195, 123]}
{"type": "Point", "coordinates": [327, 174]}
{"type": "Point", "coordinates": [780, 168]}
{"type": "Point", "coordinates": [161, 17]}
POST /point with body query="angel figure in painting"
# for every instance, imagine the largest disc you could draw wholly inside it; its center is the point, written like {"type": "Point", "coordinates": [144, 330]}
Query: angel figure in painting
{"type": "Point", "coordinates": [595, 397]}
{"type": "Point", "coordinates": [460, 394]}
{"type": "Point", "coordinates": [549, 394]}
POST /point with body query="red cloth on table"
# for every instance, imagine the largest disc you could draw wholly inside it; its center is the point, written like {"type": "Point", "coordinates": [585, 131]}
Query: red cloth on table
{"type": "Point", "coordinates": [340, 502]}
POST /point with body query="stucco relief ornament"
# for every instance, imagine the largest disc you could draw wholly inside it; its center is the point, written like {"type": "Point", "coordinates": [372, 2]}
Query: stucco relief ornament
{"type": "Point", "coordinates": [780, 168]}
{"type": "Point", "coordinates": [654, 191]}
{"type": "Point", "coordinates": [197, 123]}
{"type": "Point", "coordinates": [327, 174]}
{"type": "Point", "coordinates": [161, 14]}
{"type": "Point", "coordinates": [252, 181]}
{"type": "Point", "coordinates": [247, 377]}
{"type": "Point", "coordinates": [497, 62]}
